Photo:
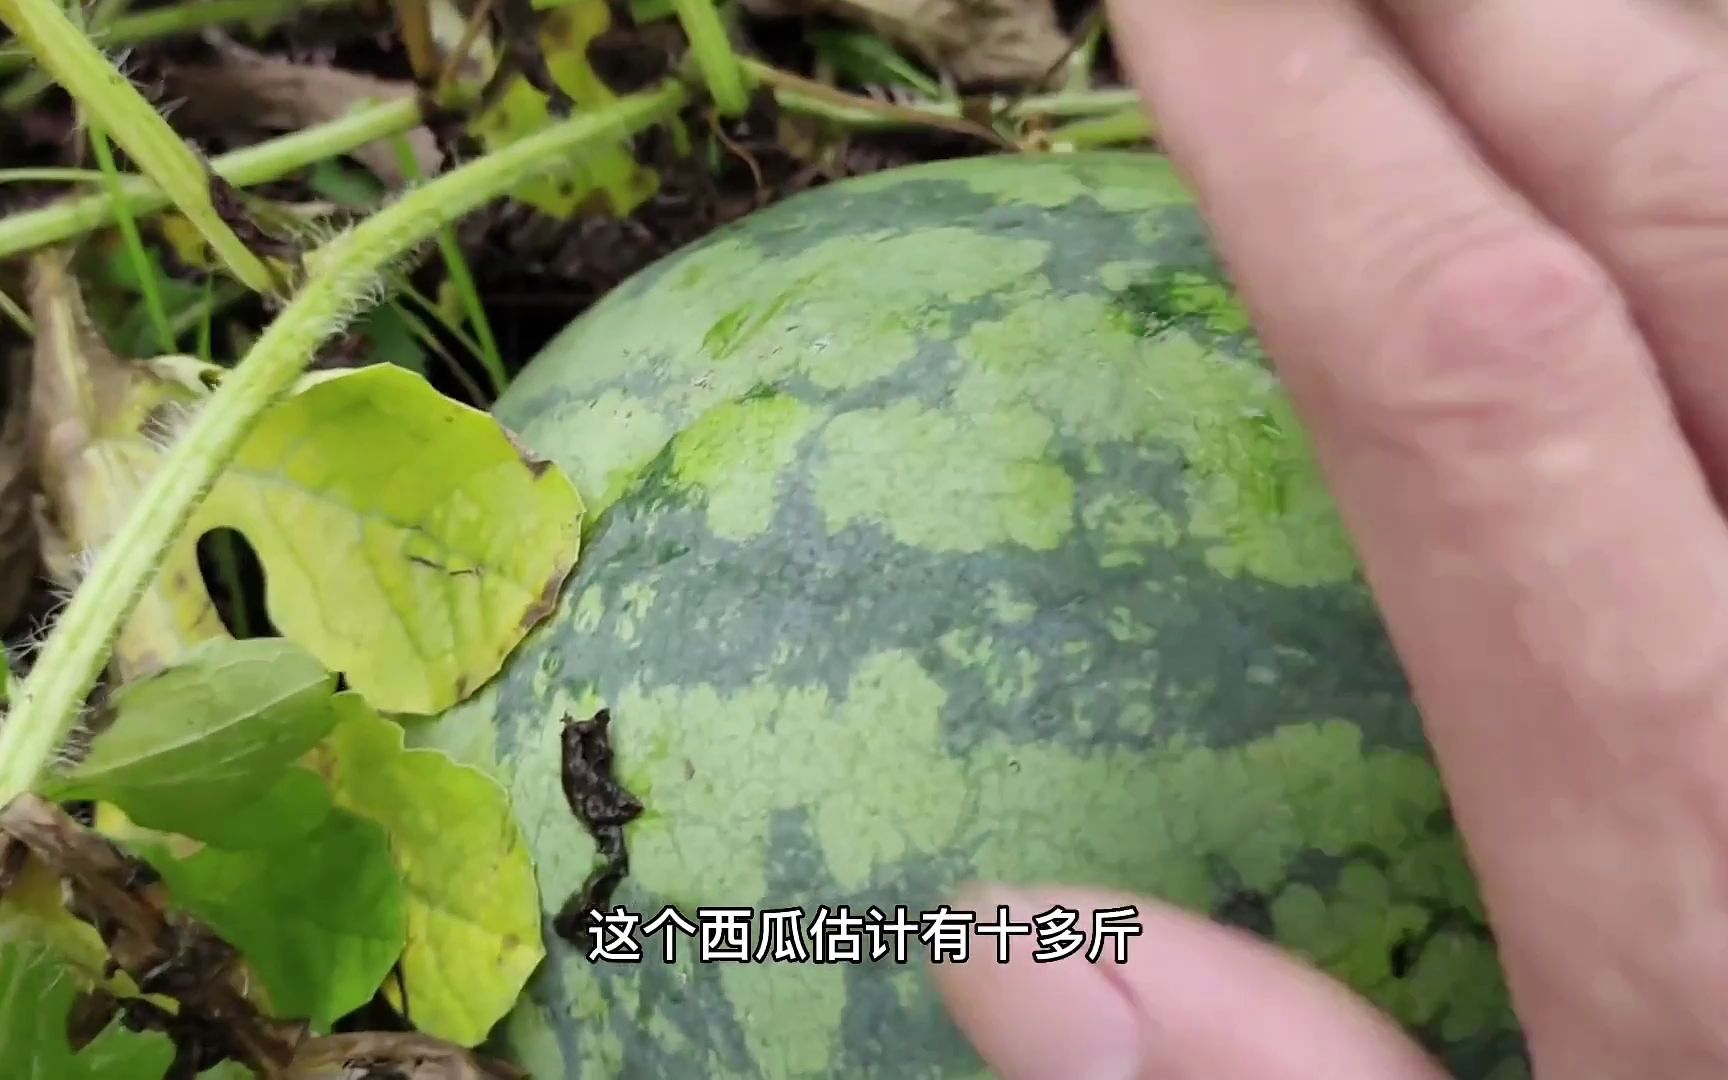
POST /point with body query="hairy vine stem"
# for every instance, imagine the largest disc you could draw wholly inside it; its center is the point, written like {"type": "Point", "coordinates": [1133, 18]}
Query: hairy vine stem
{"type": "Point", "coordinates": [344, 274]}
{"type": "Point", "coordinates": [105, 95]}
{"type": "Point", "coordinates": [66, 218]}
{"type": "Point", "coordinates": [188, 16]}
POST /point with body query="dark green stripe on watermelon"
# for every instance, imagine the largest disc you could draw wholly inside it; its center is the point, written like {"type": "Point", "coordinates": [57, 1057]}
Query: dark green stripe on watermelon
{"type": "Point", "coordinates": [949, 524]}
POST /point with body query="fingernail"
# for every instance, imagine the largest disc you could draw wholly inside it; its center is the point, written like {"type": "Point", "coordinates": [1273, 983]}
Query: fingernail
{"type": "Point", "coordinates": [1040, 1019]}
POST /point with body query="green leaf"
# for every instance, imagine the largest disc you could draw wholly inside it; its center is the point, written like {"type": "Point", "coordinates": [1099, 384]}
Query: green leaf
{"type": "Point", "coordinates": [406, 540]}
{"type": "Point", "coordinates": [121, 281]}
{"type": "Point", "coordinates": [321, 917]}
{"type": "Point", "coordinates": [474, 911]}
{"type": "Point", "coordinates": [344, 185]}
{"type": "Point", "coordinates": [647, 11]}
{"type": "Point", "coordinates": [206, 736]}
{"type": "Point", "coordinates": [36, 995]}
{"type": "Point", "coordinates": [391, 338]}
{"type": "Point", "coordinates": [866, 59]}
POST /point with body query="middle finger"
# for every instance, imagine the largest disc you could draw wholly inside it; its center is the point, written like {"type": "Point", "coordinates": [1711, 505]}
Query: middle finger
{"type": "Point", "coordinates": [1610, 115]}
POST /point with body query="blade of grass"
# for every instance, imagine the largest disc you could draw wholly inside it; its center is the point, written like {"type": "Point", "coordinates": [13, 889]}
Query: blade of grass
{"type": "Point", "coordinates": [48, 175]}
{"type": "Point", "coordinates": [141, 266]}
{"type": "Point", "coordinates": [714, 55]}
{"type": "Point", "coordinates": [807, 96]}
{"type": "Point", "coordinates": [148, 286]}
{"type": "Point", "coordinates": [112, 103]}
{"type": "Point", "coordinates": [187, 17]}
{"type": "Point", "coordinates": [10, 308]}
{"type": "Point", "coordinates": [462, 278]}
{"type": "Point", "coordinates": [866, 58]}
{"type": "Point", "coordinates": [223, 545]}
{"type": "Point", "coordinates": [423, 334]}
{"type": "Point", "coordinates": [34, 83]}
{"type": "Point", "coordinates": [1111, 129]}
{"type": "Point", "coordinates": [343, 275]}
{"type": "Point", "coordinates": [207, 321]}
{"type": "Point", "coordinates": [404, 288]}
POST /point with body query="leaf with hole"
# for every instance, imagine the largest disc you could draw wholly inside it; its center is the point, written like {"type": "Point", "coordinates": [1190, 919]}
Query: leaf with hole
{"type": "Point", "coordinates": [406, 539]}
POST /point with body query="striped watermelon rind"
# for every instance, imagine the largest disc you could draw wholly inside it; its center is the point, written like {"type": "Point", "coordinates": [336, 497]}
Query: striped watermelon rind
{"type": "Point", "coordinates": [949, 523]}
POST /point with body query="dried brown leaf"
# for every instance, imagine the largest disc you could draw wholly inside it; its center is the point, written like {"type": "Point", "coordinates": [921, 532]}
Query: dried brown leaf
{"type": "Point", "coordinates": [169, 954]}
{"type": "Point", "coordinates": [980, 42]}
{"type": "Point", "coordinates": [396, 1055]}
{"type": "Point", "coordinates": [163, 952]}
{"type": "Point", "coordinates": [94, 432]}
{"type": "Point", "coordinates": [246, 91]}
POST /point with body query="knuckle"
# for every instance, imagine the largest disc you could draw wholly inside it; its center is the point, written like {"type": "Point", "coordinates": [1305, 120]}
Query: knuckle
{"type": "Point", "coordinates": [1492, 338]}
{"type": "Point", "coordinates": [1665, 168]}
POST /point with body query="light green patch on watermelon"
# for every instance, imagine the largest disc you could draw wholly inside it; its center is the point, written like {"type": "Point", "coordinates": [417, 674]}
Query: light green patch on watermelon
{"type": "Point", "coordinates": [1252, 485]}
{"type": "Point", "coordinates": [795, 747]}
{"type": "Point", "coordinates": [1352, 932]}
{"type": "Point", "coordinates": [944, 481]}
{"type": "Point", "coordinates": [1120, 186]}
{"type": "Point", "coordinates": [1163, 294]}
{"type": "Point", "coordinates": [1123, 274]}
{"type": "Point", "coordinates": [1123, 626]}
{"type": "Point", "coordinates": [1007, 678]}
{"type": "Point", "coordinates": [1125, 524]}
{"type": "Point", "coordinates": [1255, 489]}
{"type": "Point", "coordinates": [585, 618]}
{"type": "Point", "coordinates": [815, 993]}
{"type": "Point", "coordinates": [735, 454]}
{"type": "Point", "coordinates": [1256, 810]}
{"type": "Point", "coordinates": [631, 606]}
{"type": "Point", "coordinates": [617, 431]}
{"type": "Point", "coordinates": [1435, 867]}
{"type": "Point", "coordinates": [1445, 987]}
{"type": "Point", "coordinates": [1006, 607]}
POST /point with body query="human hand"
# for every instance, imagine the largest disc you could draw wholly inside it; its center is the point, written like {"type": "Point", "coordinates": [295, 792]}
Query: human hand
{"type": "Point", "coordinates": [1513, 373]}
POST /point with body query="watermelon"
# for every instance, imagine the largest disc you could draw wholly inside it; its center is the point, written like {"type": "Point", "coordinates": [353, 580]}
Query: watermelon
{"type": "Point", "coordinates": [949, 524]}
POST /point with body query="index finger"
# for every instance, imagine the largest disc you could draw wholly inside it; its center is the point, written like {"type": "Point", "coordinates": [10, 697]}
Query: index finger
{"type": "Point", "coordinates": [1538, 533]}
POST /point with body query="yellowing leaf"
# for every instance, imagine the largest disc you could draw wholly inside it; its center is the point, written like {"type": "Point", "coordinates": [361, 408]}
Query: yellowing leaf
{"type": "Point", "coordinates": [406, 540]}
{"type": "Point", "coordinates": [473, 908]}
{"type": "Point", "coordinates": [612, 173]}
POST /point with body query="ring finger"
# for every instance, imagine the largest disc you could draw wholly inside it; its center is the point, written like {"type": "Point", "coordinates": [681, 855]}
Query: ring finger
{"type": "Point", "coordinates": [1612, 115]}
